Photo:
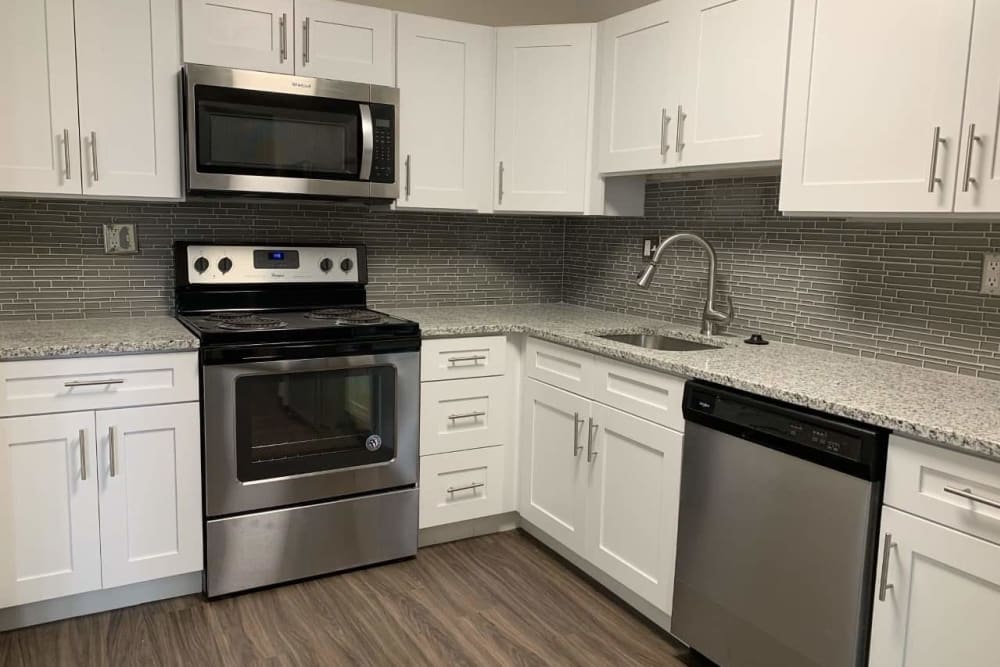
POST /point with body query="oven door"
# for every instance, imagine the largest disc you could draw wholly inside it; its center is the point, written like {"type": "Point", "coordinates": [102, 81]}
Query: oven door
{"type": "Point", "coordinates": [272, 133]}
{"type": "Point", "coordinates": [278, 433]}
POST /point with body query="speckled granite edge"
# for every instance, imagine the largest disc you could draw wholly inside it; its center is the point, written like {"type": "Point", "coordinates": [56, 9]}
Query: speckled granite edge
{"type": "Point", "coordinates": [951, 410]}
{"type": "Point", "coordinates": [51, 339]}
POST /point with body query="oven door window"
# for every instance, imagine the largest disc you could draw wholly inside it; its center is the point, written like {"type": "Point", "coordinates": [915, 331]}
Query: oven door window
{"type": "Point", "coordinates": [253, 133]}
{"type": "Point", "coordinates": [300, 423]}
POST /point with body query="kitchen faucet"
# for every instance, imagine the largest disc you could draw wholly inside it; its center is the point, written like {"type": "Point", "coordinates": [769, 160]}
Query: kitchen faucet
{"type": "Point", "coordinates": [710, 316]}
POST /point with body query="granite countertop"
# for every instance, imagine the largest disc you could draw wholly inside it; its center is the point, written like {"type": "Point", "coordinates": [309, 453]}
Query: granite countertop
{"type": "Point", "coordinates": [41, 339]}
{"type": "Point", "coordinates": [945, 408]}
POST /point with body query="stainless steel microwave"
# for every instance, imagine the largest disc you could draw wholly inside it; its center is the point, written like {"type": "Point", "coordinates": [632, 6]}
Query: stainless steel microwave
{"type": "Point", "coordinates": [261, 133]}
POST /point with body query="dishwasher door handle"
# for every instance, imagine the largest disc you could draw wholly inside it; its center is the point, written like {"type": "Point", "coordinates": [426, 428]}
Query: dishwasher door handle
{"type": "Point", "coordinates": [884, 585]}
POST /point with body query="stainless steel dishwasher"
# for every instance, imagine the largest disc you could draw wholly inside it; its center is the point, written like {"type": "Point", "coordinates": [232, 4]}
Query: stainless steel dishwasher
{"type": "Point", "coordinates": [778, 530]}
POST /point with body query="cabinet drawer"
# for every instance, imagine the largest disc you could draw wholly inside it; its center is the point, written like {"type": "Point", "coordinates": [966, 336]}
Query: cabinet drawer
{"type": "Point", "coordinates": [456, 358]}
{"type": "Point", "coordinates": [93, 383]}
{"type": "Point", "coordinates": [461, 486]}
{"type": "Point", "coordinates": [463, 414]}
{"type": "Point", "coordinates": [653, 395]}
{"type": "Point", "coordinates": [926, 480]}
{"type": "Point", "coordinates": [560, 366]}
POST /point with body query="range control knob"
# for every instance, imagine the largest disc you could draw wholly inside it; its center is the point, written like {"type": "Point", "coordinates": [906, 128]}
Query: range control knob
{"type": "Point", "coordinates": [201, 265]}
{"type": "Point", "coordinates": [325, 264]}
{"type": "Point", "coordinates": [347, 265]}
{"type": "Point", "coordinates": [225, 264]}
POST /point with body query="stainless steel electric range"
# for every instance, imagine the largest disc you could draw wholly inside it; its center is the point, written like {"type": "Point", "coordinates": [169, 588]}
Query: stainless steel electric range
{"type": "Point", "coordinates": [310, 407]}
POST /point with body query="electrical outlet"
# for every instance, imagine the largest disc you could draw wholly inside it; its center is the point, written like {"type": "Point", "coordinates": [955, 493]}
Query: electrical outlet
{"type": "Point", "coordinates": [991, 274]}
{"type": "Point", "coordinates": [649, 245]}
{"type": "Point", "coordinates": [120, 239]}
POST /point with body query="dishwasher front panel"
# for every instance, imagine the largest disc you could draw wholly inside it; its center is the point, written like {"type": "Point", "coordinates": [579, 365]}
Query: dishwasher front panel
{"type": "Point", "coordinates": [774, 562]}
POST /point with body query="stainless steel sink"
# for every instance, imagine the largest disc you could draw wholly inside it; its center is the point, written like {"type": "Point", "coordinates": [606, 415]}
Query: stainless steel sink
{"type": "Point", "coordinates": [658, 342]}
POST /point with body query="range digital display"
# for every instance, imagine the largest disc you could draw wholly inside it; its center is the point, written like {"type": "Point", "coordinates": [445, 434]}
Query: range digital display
{"type": "Point", "coordinates": [275, 259]}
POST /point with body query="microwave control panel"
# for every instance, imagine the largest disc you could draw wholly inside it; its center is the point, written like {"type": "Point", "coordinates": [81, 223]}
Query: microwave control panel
{"type": "Point", "coordinates": [384, 149]}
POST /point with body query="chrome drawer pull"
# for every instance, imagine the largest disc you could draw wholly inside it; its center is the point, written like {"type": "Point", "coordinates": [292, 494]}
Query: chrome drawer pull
{"type": "Point", "coordinates": [283, 38]}
{"type": "Point", "coordinates": [577, 422]}
{"type": "Point", "coordinates": [66, 151]}
{"type": "Point", "coordinates": [967, 177]}
{"type": "Point", "coordinates": [92, 383]}
{"type": "Point", "coordinates": [476, 358]}
{"type": "Point", "coordinates": [884, 585]}
{"type": "Point", "coordinates": [113, 447]}
{"type": "Point", "coordinates": [467, 415]}
{"type": "Point", "coordinates": [591, 429]}
{"type": "Point", "coordinates": [936, 141]}
{"type": "Point", "coordinates": [93, 155]}
{"type": "Point", "coordinates": [969, 495]}
{"type": "Point", "coordinates": [470, 487]}
{"type": "Point", "coordinates": [664, 142]}
{"type": "Point", "coordinates": [83, 455]}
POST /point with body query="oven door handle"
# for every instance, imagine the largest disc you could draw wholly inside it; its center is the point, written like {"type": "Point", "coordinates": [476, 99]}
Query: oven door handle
{"type": "Point", "coordinates": [367, 142]}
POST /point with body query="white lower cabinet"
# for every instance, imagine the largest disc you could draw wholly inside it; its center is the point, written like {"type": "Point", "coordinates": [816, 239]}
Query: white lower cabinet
{"type": "Point", "coordinates": [50, 542]}
{"type": "Point", "coordinates": [98, 498]}
{"type": "Point", "coordinates": [462, 485]}
{"type": "Point", "coordinates": [944, 601]}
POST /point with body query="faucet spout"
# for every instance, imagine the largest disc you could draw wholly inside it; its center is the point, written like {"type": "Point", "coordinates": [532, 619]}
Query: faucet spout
{"type": "Point", "coordinates": [710, 316]}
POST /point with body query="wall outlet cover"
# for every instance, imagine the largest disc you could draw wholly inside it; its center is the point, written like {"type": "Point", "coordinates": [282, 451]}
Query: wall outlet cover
{"type": "Point", "coordinates": [991, 274]}
{"type": "Point", "coordinates": [120, 239]}
{"type": "Point", "coordinates": [649, 245]}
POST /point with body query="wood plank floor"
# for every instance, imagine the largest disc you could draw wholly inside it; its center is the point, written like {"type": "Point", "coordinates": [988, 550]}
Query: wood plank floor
{"type": "Point", "coordinates": [495, 600]}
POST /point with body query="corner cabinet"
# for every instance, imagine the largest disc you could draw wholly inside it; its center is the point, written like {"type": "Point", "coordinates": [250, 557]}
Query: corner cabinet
{"type": "Point", "coordinates": [445, 73]}
{"type": "Point", "coordinates": [892, 108]}
{"type": "Point", "coordinates": [544, 119]}
{"type": "Point", "coordinates": [99, 496]}
{"type": "Point", "coordinates": [326, 39]}
{"type": "Point", "coordinates": [692, 83]}
{"type": "Point", "coordinates": [91, 99]}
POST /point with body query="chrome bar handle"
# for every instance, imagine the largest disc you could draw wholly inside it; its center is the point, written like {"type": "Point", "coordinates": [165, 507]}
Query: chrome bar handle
{"type": "Point", "coordinates": [967, 177]}
{"type": "Point", "coordinates": [367, 141]}
{"type": "Point", "coordinates": [305, 41]}
{"type": "Point", "coordinates": [664, 125]}
{"type": "Point", "coordinates": [469, 487]}
{"type": "Point", "coordinates": [66, 153]}
{"type": "Point", "coordinates": [93, 156]}
{"type": "Point", "coordinates": [932, 179]}
{"type": "Point", "coordinates": [884, 585]}
{"type": "Point", "coordinates": [92, 383]}
{"type": "Point", "coordinates": [467, 415]}
{"type": "Point", "coordinates": [408, 167]}
{"type": "Point", "coordinates": [113, 450]}
{"type": "Point", "coordinates": [591, 430]}
{"type": "Point", "coordinates": [500, 189]}
{"type": "Point", "coordinates": [679, 139]}
{"type": "Point", "coordinates": [577, 422]}
{"type": "Point", "coordinates": [969, 495]}
{"type": "Point", "coordinates": [283, 38]}
{"type": "Point", "coordinates": [83, 454]}
{"type": "Point", "coordinates": [476, 358]}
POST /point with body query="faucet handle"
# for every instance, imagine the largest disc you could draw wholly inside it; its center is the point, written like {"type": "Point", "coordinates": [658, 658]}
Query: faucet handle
{"type": "Point", "coordinates": [720, 317]}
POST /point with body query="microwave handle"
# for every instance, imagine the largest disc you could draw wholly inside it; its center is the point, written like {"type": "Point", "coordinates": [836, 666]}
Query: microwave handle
{"type": "Point", "coordinates": [367, 142]}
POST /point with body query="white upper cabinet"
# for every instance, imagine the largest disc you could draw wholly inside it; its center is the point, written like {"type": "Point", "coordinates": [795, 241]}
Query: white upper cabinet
{"type": "Point", "coordinates": [543, 118]}
{"type": "Point", "coordinates": [340, 40]}
{"type": "Point", "coordinates": [243, 34]}
{"type": "Point", "coordinates": [39, 132]}
{"type": "Point", "coordinates": [692, 83]}
{"type": "Point", "coordinates": [445, 75]}
{"type": "Point", "coordinates": [128, 60]}
{"type": "Point", "coordinates": [637, 52]}
{"type": "Point", "coordinates": [48, 508]}
{"type": "Point", "coordinates": [874, 113]}
{"type": "Point", "coordinates": [732, 101]}
{"type": "Point", "coordinates": [979, 172]}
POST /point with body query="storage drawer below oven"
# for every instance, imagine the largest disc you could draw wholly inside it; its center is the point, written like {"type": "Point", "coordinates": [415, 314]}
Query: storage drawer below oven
{"type": "Point", "coordinates": [461, 485]}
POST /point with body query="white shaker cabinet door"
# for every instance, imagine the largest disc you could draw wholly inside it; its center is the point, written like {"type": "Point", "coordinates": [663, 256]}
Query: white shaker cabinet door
{"type": "Point", "coordinates": [149, 462]}
{"type": "Point", "coordinates": [944, 601]}
{"type": "Point", "coordinates": [640, 73]}
{"type": "Point", "coordinates": [732, 104]}
{"type": "Point", "coordinates": [129, 59]}
{"type": "Point", "coordinates": [445, 75]}
{"type": "Point", "coordinates": [344, 41]}
{"type": "Point", "coordinates": [874, 113]}
{"type": "Point", "coordinates": [553, 478]}
{"type": "Point", "coordinates": [979, 170]}
{"type": "Point", "coordinates": [242, 34]}
{"type": "Point", "coordinates": [633, 503]}
{"type": "Point", "coordinates": [49, 536]}
{"type": "Point", "coordinates": [39, 131]}
{"type": "Point", "coordinates": [543, 117]}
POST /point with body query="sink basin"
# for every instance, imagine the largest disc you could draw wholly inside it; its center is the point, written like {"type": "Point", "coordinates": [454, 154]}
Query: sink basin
{"type": "Point", "coordinates": [657, 342]}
